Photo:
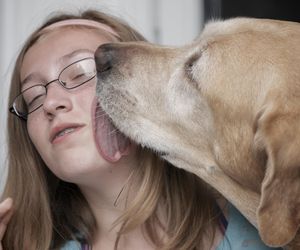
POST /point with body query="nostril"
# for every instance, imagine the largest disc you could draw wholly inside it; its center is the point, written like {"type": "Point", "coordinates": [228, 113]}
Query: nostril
{"type": "Point", "coordinates": [103, 62]}
{"type": "Point", "coordinates": [105, 58]}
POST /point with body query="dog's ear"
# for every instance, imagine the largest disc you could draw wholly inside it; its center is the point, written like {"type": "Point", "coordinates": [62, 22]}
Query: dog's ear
{"type": "Point", "coordinates": [277, 133]}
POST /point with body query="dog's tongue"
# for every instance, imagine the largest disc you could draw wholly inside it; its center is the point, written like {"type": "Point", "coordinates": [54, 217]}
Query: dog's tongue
{"type": "Point", "coordinates": [110, 142]}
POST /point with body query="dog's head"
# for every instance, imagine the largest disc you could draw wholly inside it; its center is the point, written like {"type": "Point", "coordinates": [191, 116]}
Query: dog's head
{"type": "Point", "coordinates": [231, 98]}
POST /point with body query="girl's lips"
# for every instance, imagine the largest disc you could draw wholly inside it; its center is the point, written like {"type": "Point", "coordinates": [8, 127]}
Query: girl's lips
{"type": "Point", "coordinates": [61, 131]}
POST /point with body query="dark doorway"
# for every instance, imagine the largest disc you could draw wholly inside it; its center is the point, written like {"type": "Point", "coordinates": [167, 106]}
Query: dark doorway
{"type": "Point", "coordinates": [273, 9]}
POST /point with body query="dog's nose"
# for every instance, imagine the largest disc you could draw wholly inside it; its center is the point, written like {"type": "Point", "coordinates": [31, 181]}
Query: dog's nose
{"type": "Point", "coordinates": [105, 57]}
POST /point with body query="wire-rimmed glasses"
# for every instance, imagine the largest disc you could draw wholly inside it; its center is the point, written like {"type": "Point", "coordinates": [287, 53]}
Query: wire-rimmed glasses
{"type": "Point", "coordinates": [71, 76]}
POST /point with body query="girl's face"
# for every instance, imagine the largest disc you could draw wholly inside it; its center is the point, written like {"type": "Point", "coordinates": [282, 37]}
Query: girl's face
{"type": "Point", "coordinates": [73, 153]}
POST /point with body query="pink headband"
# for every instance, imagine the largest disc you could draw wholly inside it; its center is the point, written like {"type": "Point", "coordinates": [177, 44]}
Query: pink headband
{"type": "Point", "coordinates": [84, 22]}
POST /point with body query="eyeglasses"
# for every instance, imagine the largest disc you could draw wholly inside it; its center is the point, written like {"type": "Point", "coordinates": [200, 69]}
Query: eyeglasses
{"type": "Point", "coordinates": [72, 76]}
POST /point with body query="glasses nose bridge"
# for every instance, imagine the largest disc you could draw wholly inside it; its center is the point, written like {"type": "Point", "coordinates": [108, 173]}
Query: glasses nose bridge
{"type": "Point", "coordinates": [53, 81]}
{"type": "Point", "coordinates": [54, 99]}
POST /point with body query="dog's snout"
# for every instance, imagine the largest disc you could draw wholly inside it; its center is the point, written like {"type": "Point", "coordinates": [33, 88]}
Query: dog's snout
{"type": "Point", "coordinates": [105, 57]}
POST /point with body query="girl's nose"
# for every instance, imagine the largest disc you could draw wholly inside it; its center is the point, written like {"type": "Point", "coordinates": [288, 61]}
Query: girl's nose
{"type": "Point", "coordinates": [57, 100]}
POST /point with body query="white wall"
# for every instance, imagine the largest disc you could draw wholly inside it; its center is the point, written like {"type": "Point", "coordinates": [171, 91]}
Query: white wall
{"type": "Point", "coordinates": [172, 22]}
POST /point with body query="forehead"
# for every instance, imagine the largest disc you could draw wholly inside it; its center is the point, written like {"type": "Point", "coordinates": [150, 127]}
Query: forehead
{"type": "Point", "coordinates": [50, 47]}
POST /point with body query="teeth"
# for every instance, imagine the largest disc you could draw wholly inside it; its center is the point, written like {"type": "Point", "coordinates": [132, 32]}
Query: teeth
{"type": "Point", "coordinates": [65, 131]}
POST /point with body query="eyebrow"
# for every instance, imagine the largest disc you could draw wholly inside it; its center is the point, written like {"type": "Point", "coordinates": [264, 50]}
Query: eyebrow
{"type": "Point", "coordinates": [31, 77]}
{"type": "Point", "coordinates": [64, 58]}
{"type": "Point", "coordinates": [75, 53]}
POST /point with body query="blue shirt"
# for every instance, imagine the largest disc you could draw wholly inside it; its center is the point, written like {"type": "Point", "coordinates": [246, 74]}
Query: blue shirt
{"type": "Point", "coordinates": [72, 245]}
{"type": "Point", "coordinates": [239, 235]}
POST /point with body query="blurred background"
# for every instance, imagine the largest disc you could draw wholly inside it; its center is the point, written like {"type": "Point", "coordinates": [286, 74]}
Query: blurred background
{"type": "Point", "coordinates": [169, 22]}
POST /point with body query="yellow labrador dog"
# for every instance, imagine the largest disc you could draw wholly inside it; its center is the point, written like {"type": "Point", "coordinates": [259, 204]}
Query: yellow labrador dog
{"type": "Point", "coordinates": [225, 107]}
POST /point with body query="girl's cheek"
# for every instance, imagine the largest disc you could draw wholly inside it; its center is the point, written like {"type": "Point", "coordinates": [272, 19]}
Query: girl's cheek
{"type": "Point", "coordinates": [34, 126]}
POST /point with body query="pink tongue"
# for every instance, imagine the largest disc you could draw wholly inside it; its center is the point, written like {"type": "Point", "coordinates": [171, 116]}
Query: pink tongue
{"type": "Point", "coordinates": [111, 143]}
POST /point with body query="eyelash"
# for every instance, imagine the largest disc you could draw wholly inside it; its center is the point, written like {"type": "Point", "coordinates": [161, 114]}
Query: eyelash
{"type": "Point", "coordinates": [190, 64]}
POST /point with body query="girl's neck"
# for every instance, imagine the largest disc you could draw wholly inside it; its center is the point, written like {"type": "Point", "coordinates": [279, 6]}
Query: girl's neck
{"type": "Point", "coordinates": [108, 206]}
{"type": "Point", "coordinates": [107, 193]}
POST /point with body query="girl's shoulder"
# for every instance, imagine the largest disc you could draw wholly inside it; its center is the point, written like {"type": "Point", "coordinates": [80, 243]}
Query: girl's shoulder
{"type": "Point", "coordinates": [72, 245]}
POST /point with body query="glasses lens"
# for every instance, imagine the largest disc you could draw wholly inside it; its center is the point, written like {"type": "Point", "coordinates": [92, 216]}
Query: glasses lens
{"type": "Point", "coordinates": [78, 73]}
{"type": "Point", "coordinates": [30, 99]}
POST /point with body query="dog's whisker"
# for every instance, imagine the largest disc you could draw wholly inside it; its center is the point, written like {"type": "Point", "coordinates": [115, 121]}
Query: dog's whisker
{"type": "Point", "coordinates": [115, 131]}
{"type": "Point", "coordinates": [101, 115]}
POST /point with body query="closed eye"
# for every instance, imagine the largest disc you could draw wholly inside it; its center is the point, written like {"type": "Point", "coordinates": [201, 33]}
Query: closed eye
{"type": "Point", "coordinates": [190, 64]}
{"type": "Point", "coordinates": [79, 76]}
{"type": "Point", "coordinates": [35, 100]}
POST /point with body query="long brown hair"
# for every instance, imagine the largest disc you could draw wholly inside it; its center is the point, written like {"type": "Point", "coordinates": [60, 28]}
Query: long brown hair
{"type": "Point", "coordinates": [49, 212]}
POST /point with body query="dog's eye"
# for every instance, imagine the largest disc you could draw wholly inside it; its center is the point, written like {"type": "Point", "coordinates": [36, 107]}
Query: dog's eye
{"type": "Point", "coordinates": [189, 66]}
{"type": "Point", "coordinates": [191, 61]}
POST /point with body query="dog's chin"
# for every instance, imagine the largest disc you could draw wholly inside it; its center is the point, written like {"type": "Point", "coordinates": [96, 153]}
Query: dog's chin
{"type": "Point", "coordinates": [130, 127]}
{"type": "Point", "coordinates": [133, 130]}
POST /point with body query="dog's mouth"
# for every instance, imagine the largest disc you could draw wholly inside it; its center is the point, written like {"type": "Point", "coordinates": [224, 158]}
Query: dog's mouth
{"type": "Point", "coordinates": [110, 142]}
{"type": "Point", "coordinates": [161, 154]}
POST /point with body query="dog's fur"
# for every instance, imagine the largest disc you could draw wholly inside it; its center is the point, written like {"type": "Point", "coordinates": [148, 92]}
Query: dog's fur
{"type": "Point", "coordinates": [226, 108]}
